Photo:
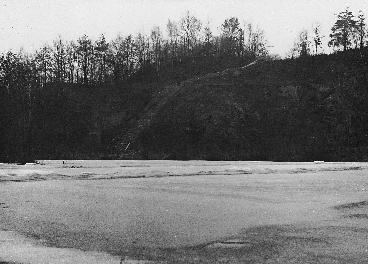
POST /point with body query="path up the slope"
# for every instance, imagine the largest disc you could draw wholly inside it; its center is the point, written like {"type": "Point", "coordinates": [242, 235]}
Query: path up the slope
{"type": "Point", "coordinates": [126, 143]}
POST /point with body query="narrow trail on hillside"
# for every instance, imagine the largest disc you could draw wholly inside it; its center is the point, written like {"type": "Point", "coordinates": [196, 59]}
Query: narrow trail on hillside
{"type": "Point", "coordinates": [127, 141]}
{"type": "Point", "coordinates": [250, 64]}
{"type": "Point", "coordinates": [144, 121]}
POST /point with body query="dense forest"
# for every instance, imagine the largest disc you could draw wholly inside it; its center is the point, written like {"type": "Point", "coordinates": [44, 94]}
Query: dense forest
{"type": "Point", "coordinates": [54, 101]}
{"type": "Point", "coordinates": [184, 94]}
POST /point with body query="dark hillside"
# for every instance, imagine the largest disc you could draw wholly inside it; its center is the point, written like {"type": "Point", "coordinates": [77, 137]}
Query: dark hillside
{"type": "Point", "coordinates": [92, 98]}
{"type": "Point", "coordinates": [68, 121]}
{"type": "Point", "coordinates": [312, 108]}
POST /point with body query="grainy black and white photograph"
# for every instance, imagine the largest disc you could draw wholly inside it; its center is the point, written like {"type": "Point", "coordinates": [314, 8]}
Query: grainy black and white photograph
{"type": "Point", "coordinates": [183, 131]}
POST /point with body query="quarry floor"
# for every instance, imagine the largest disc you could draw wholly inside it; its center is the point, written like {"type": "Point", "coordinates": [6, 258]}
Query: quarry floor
{"type": "Point", "coordinates": [183, 212]}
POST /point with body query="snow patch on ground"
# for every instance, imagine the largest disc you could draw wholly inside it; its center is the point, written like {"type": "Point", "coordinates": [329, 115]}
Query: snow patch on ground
{"type": "Point", "coordinates": [95, 170]}
{"type": "Point", "coordinates": [19, 249]}
{"type": "Point", "coordinates": [15, 248]}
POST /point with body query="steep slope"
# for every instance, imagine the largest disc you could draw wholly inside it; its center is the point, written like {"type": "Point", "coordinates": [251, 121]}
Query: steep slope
{"type": "Point", "coordinates": [127, 143]}
{"type": "Point", "coordinates": [127, 140]}
{"type": "Point", "coordinates": [304, 109]}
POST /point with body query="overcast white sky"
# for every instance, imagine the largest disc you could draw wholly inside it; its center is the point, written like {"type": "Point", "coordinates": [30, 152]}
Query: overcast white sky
{"type": "Point", "coordinates": [31, 23]}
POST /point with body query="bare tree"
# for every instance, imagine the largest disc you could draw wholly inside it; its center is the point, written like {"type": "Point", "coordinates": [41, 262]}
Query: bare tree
{"type": "Point", "coordinates": [317, 37]}
{"type": "Point", "coordinates": [156, 39]}
{"type": "Point", "coordinates": [361, 28]}
{"type": "Point", "coordinates": [231, 36]}
{"type": "Point", "coordinates": [208, 39]}
{"type": "Point", "coordinates": [44, 64]}
{"type": "Point", "coordinates": [173, 33]}
{"type": "Point", "coordinates": [101, 53]}
{"type": "Point", "coordinates": [256, 40]}
{"type": "Point", "coordinates": [59, 59]}
{"type": "Point", "coordinates": [190, 27]}
{"type": "Point", "coordinates": [71, 61]}
{"type": "Point", "coordinates": [301, 45]}
{"type": "Point", "coordinates": [84, 51]}
{"type": "Point", "coordinates": [123, 50]}
{"type": "Point", "coordinates": [142, 50]}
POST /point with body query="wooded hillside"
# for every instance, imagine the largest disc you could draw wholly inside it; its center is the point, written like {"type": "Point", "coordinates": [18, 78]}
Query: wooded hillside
{"type": "Point", "coordinates": [187, 94]}
{"type": "Point", "coordinates": [305, 109]}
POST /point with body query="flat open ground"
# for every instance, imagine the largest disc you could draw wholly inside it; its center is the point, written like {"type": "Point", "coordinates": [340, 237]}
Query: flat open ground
{"type": "Point", "coordinates": [183, 212]}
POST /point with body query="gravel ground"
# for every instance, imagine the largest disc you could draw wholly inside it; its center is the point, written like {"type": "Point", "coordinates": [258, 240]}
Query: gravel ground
{"type": "Point", "coordinates": [227, 212]}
